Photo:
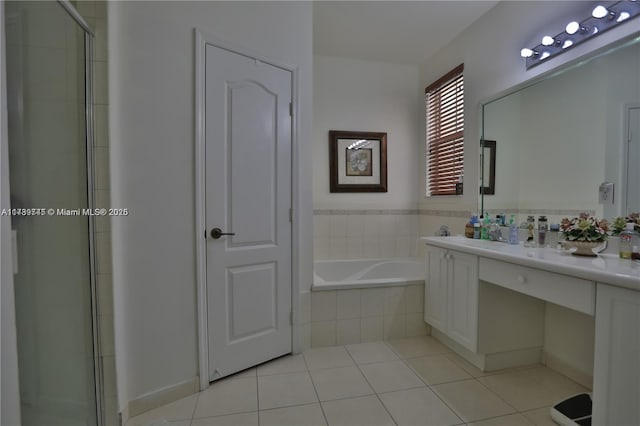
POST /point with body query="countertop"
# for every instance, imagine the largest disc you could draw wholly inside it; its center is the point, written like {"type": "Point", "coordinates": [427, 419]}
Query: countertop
{"type": "Point", "coordinates": [606, 267]}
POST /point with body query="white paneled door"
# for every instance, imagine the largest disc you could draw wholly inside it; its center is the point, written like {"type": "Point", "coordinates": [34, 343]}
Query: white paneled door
{"type": "Point", "coordinates": [248, 206]}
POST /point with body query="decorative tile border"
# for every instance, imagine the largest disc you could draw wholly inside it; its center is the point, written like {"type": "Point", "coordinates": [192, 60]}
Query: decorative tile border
{"type": "Point", "coordinates": [447, 213]}
{"type": "Point", "coordinates": [329, 212]}
{"type": "Point", "coordinates": [548, 212]}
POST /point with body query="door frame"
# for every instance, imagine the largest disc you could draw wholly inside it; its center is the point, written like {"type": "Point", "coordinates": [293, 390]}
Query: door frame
{"type": "Point", "coordinates": [201, 41]}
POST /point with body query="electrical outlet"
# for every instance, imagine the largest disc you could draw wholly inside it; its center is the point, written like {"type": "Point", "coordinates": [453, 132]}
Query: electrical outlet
{"type": "Point", "coordinates": [605, 193]}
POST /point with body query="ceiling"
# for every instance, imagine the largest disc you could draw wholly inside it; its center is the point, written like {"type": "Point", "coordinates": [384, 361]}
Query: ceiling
{"type": "Point", "coordinates": [403, 32]}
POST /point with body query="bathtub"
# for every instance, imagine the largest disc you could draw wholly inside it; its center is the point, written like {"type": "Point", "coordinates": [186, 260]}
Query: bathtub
{"type": "Point", "coordinates": [366, 273]}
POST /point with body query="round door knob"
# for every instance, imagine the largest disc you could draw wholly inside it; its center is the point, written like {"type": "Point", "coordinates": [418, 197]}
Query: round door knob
{"type": "Point", "coordinates": [217, 233]}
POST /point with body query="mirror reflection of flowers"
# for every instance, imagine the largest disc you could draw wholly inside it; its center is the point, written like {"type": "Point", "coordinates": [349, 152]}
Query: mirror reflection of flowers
{"type": "Point", "coordinates": [584, 228]}
{"type": "Point", "coordinates": [619, 223]}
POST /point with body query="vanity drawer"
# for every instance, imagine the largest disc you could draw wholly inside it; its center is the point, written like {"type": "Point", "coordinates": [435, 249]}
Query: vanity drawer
{"type": "Point", "coordinates": [563, 290]}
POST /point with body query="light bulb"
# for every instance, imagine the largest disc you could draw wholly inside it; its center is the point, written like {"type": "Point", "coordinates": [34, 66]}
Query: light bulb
{"type": "Point", "coordinates": [572, 27]}
{"type": "Point", "coordinates": [623, 16]}
{"type": "Point", "coordinates": [547, 40]}
{"type": "Point", "coordinates": [567, 43]}
{"type": "Point", "coordinates": [526, 53]}
{"type": "Point", "coordinates": [599, 12]}
{"type": "Point", "coordinates": [544, 55]}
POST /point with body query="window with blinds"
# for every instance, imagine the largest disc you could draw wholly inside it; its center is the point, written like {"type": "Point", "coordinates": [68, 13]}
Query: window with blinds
{"type": "Point", "coordinates": [445, 126]}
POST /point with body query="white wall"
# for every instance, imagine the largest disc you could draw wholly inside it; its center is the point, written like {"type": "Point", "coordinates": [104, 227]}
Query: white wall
{"type": "Point", "coordinates": [151, 47]}
{"type": "Point", "coordinates": [352, 94]}
{"type": "Point", "coordinates": [490, 50]}
{"type": "Point", "coordinates": [10, 404]}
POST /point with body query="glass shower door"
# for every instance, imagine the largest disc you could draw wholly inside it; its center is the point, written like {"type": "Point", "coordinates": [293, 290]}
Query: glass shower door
{"type": "Point", "coordinates": [49, 171]}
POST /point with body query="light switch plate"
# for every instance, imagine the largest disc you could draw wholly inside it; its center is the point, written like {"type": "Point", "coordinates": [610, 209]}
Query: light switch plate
{"type": "Point", "coordinates": [605, 194]}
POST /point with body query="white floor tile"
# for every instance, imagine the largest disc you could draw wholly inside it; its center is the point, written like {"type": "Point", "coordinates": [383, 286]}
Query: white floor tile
{"type": "Point", "coordinates": [390, 376]}
{"type": "Point", "coordinates": [467, 366]}
{"type": "Point", "coordinates": [510, 420]}
{"type": "Point", "coordinates": [181, 409]}
{"type": "Point", "coordinates": [337, 383]}
{"type": "Point", "coordinates": [436, 369]}
{"type": "Point", "coordinates": [361, 411]}
{"type": "Point", "coordinates": [416, 407]}
{"type": "Point", "coordinates": [228, 397]}
{"type": "Point", "coordinates": [300, 415]}
{"type": "Point", "coordinates": [417, 346]}
{"type": "Point", "coordinates": [242, 419]}
{"type": "Point", "coordinates": [539, 417]}
{"type": "Point", "coordinates": [329, 357]}
{"type": "Point", "coordinates": [519, 391]}
{"type": "Point", "coordinates": [285, 364]}
{"type": "Point", "coordinates": [283, 390]}
{"type": "Point", "coordinates": [532, 388]}
{"type": "Point", "coordinates": [471, 401]}
{"type": "Point", "coordinates": [366, 353]}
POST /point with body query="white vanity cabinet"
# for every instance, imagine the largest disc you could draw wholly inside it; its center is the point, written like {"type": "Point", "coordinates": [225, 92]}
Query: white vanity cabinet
{"type": "Point", "coordinates": [451, 294]}
{"type": "Point", "coordinates": [616, 376]}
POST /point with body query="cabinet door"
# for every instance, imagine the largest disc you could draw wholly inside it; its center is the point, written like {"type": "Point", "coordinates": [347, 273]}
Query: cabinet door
{"type": "Point", "coordinates": [435, 289]}
{"type": "Point", "coordinates": [616, 375]}
{"type": "Point", "coordinates": [462, 324]}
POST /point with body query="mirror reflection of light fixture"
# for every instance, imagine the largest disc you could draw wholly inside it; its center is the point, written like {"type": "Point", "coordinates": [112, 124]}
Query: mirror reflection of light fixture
{"type": "Point", "coordinates": [572, 27]}
{"type": "Point", "coordinates": [547, 40]}
{"type": "Point", "coordinates": [599, 20]}
{"type": "Point", "coordinates": [599, 12]}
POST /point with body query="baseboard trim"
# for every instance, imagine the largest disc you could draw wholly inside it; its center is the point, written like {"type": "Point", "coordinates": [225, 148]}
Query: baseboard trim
{"type": "Point", "coordinates": [494, 361]}
{"type": "Point", "coordinates": [160, 397]}
{"type": "Point", "coordinates": [565, 368]}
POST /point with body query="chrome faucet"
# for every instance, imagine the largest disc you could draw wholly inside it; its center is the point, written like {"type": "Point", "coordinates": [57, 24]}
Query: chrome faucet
{"type": "Point", "coordinates": [443, 231]}
{"type": "Point", "coordinates": [495, 233]}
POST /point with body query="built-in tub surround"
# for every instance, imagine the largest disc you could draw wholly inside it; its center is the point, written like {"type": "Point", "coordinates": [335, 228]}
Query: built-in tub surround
{"type": "Point", "coordinates": [367, 273]}
{"type": "Point", "coordinates": [380, 299]}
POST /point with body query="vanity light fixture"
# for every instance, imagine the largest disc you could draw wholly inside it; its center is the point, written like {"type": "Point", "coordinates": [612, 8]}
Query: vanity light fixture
{"type": "Point", "coordinates": [600, 20]}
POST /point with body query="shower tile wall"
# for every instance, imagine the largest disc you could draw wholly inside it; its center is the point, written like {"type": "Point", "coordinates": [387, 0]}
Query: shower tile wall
{"type": "Point", "coordinates": [95, 13]}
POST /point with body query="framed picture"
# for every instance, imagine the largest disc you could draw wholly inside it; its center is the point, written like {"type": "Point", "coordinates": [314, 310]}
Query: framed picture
{"type": "Point", "coordinates": [357, 161]}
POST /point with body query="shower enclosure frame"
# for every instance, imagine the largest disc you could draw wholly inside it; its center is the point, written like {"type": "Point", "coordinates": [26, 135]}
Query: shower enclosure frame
{"type": "Point", "coordinates": [89, 43]}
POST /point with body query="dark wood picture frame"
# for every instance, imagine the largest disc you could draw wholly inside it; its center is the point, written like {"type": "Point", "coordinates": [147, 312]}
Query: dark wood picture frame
{"type": "Point", "coordinates": [337, 169]}
{"type": "Point", "coordinates": [488, 149]}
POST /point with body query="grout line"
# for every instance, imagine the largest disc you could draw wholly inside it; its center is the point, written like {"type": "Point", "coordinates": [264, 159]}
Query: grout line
{"type": "Point", "coordinates": [372, 388]}
{"type": "Point", "coordinates": [257, 396]}
{"type": "Point", "coordinates": [324, 415]}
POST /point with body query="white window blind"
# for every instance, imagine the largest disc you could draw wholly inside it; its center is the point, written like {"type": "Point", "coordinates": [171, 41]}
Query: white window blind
{"type": "Point", "coordinates": [445, 127]}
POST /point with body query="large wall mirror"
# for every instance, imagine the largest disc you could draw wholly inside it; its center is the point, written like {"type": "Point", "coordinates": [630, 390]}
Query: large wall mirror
{"type": "Point", "coordinates": [562, 137]}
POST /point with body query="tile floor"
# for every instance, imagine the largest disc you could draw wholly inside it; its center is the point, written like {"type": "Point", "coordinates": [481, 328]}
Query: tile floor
{"type": "Point", "coordinates": [414, 381]}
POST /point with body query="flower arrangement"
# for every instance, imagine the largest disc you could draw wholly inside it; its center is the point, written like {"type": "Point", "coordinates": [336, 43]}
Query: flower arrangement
{"type": "Point", "coordinates": [619, 223]}
{"type": "Point", "coordinates": [584, 228]}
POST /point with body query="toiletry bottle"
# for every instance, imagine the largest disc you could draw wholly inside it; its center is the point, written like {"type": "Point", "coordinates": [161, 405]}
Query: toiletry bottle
{"type": "Point", "coordinates": [476, 230]}
{"type": "Point", "coordinates": [485, 228]}
{"type": "Point", "coordinates": [513, 231]}
{"type": "Point", "coordinates": [635, 252]}
{"type": "Point", "coordinates": [530, 226]}
{"type": "Point", "coordinates": [626, 241]}
{"type": "Point", "coordinates": [468, 229]}
{"type": "Point", "coordinates": [503, 218]}
{"type": "Point", "coordinates": [543, 226]}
